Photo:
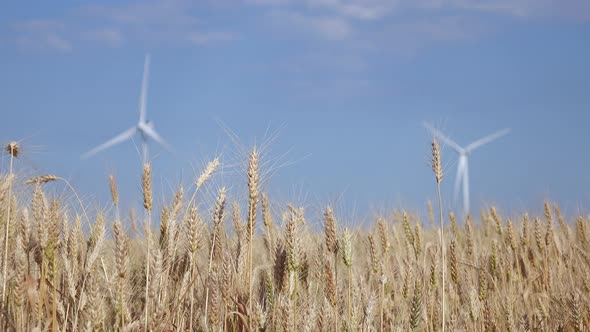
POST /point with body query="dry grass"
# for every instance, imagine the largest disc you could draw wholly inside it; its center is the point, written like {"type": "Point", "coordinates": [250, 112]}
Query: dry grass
{"type": "Point", "coordinates": [507, 273]}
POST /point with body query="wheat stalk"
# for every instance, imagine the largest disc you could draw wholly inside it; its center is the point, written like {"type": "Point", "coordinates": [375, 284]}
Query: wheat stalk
{"type": "Point", "coordinates": [438, 174]}
{"type": "Point", "coordinates": [347, 259]}
{"type": "Point", "coordinates": [147, 204]}
{"type": "Point", "coordinates": [331, 240]}
{"type": "Point", "coordinates": [293, 247]}
{"type": "Point", "coordinates": [121, 259]}
{"type": "Point", "coordinates": [268, 223]}
{"type": "Point", "coordinates": [253, 191]}
{"type": "Point", "coordinates": [216, 250]}
{"type": "Point", "coordinates": [13, 149]}
{"type": "Point", "coordinates": [192, 228]}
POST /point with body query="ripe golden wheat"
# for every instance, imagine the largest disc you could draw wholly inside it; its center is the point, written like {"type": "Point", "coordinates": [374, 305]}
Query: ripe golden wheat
{"type": "Point", "coordinates": [62, 272]}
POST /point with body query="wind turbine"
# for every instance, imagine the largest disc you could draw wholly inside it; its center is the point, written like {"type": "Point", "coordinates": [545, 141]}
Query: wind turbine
{"type": "Point", "coordinates": [462, 166]}
{"type": "Point", "coordinates": [144, 127]}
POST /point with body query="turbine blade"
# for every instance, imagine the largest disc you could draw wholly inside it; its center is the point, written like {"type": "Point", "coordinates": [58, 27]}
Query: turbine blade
{"type": "Point", "coordinates": [144, 87]}
{"type": "Point", "coordinates": [144, 151]}
{"type": "Point", "coordinates": [486, 140]}
{"type": "Point", "coordinates": [443, 138]}
{"type": "Point", "coordinates": [151, 133]}
{"type": "Point", "coordinates": [127, 134]}
{"type": "Point", "coordinates": [460, 169]}
{"type": "Point", "coordinates": [466, 189]}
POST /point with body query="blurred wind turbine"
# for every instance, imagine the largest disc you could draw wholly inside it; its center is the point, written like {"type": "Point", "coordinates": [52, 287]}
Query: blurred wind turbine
{"type": "Point", "coordinates": [462, 166]}
{"type": "Point", "coordinates": [144, 127]}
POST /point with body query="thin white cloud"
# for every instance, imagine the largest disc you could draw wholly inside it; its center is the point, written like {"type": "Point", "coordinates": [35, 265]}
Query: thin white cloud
{"type": "Point", "coordinates": [108, 36]}
{"type": "Point", "coordinates": [152, 23]}
{"type": "Point", "coordinates": [357, 9]}
{"type": "Point", "coordinates": [380, 9]}
{"type": "Point", "coordinates": [329, 27]}
{"type": "Point", "coordinates": [448, 28]}
{"type": "Point", "coordinates": [568, 9]}
{"type": "Point", "coordinates": [43, 42]}
{"type": "Point", "coordinates": [158, 22]}
{"type": "Point", "coordinates": [163, 13]}
{"type": "Point", "coordinates": [41, 35]}
{"type": "Point", "coordinates": [408, 37]}
{"type": "Point", "coordinates": [57, 42]}
{"type": "Point", "coordinates": [406, 26]}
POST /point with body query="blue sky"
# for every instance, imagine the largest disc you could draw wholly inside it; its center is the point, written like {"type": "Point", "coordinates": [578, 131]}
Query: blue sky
{"type": "Point", "coordinates": [338, 89]}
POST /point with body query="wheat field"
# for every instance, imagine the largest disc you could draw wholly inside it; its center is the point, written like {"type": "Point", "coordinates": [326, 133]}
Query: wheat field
{"type": "Point", "coordinates": [237, 266]}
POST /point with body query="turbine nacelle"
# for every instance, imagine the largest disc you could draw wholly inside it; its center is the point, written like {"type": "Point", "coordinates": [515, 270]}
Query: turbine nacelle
{"type": "Point", "coordinates": [141, 126]}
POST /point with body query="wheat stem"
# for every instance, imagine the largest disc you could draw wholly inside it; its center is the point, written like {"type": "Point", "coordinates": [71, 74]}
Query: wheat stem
{"type": "Point", "coordinates": [442, 254]}
{"type": "Point", "coordinates": [147, 203]}
{"type": "Point", "coordinates": [438, 174]}
{"type": "Point", "coordinates": [4, 268]}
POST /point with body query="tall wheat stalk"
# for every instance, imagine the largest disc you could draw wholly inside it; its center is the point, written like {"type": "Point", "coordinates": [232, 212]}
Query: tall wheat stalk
{"type": "Point", "coordinates": [438, 174]}
{"type": "Point", "coordinates": [330, 233]}
{"type": "Point", "coordinates": [193, 223]}
{"type": "Point", "coordinates": [12, 148]}
{"type": "Point", "coordinates": [39, 209]}
{"type": "Point", "coordinates": [147, 204]}
{"type": "Point", "coordinates": [347, 259]}
{"type": "Point", "coordinates": [268, 223]}
{"type": "Point", "coordinates": [52, 247]}
{"type": "Point", "coordinates": [121, 253]}
{"type": "Point", "coordinates": [218, 216]}
{"type": "Point", "coordinates": [293, 257]}
{"type": "Point", "coordinates": [252, 205]}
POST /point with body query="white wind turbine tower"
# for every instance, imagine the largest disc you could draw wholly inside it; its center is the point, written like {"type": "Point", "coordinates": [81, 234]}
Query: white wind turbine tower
{"type": "Point", "coordinates": [144, 127]}
{"type": "Point", "coordinates": [462, 166]}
